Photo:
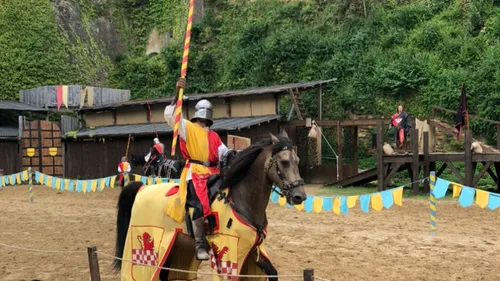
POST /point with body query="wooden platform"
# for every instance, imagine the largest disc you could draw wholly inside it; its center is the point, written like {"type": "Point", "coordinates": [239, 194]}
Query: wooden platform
{"type": "Point", "coordinates": [389, 165]}
{"type": "Point", "coordinates": [443, 157]}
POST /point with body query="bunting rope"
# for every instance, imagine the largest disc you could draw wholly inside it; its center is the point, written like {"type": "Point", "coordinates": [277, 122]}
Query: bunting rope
{"type": "Point", "coordinates": [185, 55]}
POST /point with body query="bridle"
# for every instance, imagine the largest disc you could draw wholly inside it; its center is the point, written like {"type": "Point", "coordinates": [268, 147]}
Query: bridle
{"type": "Point", "coordinates": [286, 186]}
{"type": "Point", "coordinates": [283, 192]}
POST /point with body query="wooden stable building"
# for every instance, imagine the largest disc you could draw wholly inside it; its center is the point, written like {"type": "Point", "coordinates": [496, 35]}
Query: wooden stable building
{"type": "Point", "coordinates": [95, 149]}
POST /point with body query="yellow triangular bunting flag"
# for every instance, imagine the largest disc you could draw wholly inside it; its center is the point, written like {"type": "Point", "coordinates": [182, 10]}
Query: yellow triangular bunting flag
{"type": "Point", "coordinates": [49, 181]}
{"type": "Point", "coordinates": [397, 195]}
{"type": "Point", "coordinates": [351, 201]}
{"type": "Point", "coordinates": [282, 201]}
{"type": "Point", "coordinates": [58, 184]}
{"type": "Point", "coordinates": [299, 207]}
{"type": "Point", "coordinates": [18, 178]}
{"type": "Point", "coordinates": [93, 186]}
{"type": "Point", "coordinates": [150, 181]}
{"type": "Point", "coordinates": [137, 178]}
{"type": "Point", "coordinates": [66, 184]}
{"type": "Point", "coordinates": [84, 186]}
{"type": "Point", "coordinates": [25, 175]}
{"type": "Point", "coordinates": [336, 206]}
{"type": "Point", "coordinates": [112, 182]}
{"type": "Point", "coordinates": [41, 178]}
{"type": "Point", "coordinates": [457, 188]}
{"type": "Point", "coordinates": [376, 201]}
{"type": "Point", "coordinates": [482, 198]}
{"type": "Point", "coordinates": [317, 204]}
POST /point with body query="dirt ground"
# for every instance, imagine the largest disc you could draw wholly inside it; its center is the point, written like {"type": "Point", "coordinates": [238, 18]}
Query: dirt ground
{"type": "Point", "coordinates": [389, 245]}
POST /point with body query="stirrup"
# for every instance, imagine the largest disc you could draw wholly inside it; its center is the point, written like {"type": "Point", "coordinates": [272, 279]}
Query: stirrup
{"type": "Point", "coordinates": [201, 253]}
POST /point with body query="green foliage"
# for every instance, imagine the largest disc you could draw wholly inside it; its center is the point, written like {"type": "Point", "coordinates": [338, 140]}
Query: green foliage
{"type": "Point", "coordinates": [33, 54]}
{"type": "Point", "coordinates": [415, 53]}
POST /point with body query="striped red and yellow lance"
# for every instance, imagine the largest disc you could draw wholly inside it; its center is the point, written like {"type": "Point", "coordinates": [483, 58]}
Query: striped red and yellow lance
{"type": "Point", "coordinates": [178, 106]}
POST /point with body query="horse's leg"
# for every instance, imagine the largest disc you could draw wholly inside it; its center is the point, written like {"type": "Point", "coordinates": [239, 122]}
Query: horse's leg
{"type": "Point", "coordinates": [266, 266]}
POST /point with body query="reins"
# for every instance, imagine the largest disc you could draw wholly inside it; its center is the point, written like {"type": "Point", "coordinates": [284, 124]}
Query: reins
{"type": "Point", "coordinates": [283, 192]}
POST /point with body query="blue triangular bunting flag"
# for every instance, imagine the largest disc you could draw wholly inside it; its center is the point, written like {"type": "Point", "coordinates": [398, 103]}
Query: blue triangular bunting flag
{"type": "Point", "coordinates": [440, 188]}
{"type": "Point", "coordinates": [327, 204]}
{"type": "Point", "coordinates": [467, 196]}
{"type": "Point", "coordinates": [387, 199]}
{"type": "Point", "coordinates": [308, 204]}
{"type": "Point", "coordinates": [364, 202]}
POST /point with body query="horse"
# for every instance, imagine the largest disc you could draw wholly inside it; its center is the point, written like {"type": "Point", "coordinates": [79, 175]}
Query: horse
{"type": "Point", "coordinates": [168, 168]}
{"type": "Point", "coordinates": [246, 185]}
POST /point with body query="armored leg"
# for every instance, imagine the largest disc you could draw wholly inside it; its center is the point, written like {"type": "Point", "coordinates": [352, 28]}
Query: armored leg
{"type": "Point", "coordinates": [199, 237]}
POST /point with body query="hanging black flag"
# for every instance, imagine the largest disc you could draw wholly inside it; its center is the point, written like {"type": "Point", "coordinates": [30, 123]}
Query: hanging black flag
{"type": "Point", "coordinates": [461, 118]}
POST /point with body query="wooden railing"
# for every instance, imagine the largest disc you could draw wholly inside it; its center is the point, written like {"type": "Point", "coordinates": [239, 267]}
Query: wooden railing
{"type": "Point", "coordinates": [497, 123]}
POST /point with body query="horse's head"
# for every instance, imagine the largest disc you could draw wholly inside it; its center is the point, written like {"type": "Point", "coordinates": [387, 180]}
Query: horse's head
{"type": "Point", "coordinates": [283, 169]}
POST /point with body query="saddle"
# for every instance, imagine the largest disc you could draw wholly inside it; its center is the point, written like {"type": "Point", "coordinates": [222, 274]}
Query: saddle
{"type": "Point", "coordinates": [214, 184]}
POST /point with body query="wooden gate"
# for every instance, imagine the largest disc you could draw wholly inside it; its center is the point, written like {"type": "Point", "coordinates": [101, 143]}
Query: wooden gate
{"type": "Point", "coordinates": [42, 147]}
{"type": "Point", "coordinates": [237, 143]}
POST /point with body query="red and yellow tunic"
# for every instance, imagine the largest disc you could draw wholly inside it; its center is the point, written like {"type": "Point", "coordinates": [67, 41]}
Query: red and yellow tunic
{"type": "Point", "coordinates": [196, 143]}
{"type": "Point", "coordinates": [123, 167]}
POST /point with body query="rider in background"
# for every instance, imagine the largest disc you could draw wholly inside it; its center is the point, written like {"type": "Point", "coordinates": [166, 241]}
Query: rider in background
{"type": "Point", "coordinates": [203, 149]}
{"type": "Point", "coordinates": [157, 151]}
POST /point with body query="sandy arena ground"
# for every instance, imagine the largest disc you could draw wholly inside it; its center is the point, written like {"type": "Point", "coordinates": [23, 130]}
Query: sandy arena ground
{"type": "Point", "coordinates": [390, 245]}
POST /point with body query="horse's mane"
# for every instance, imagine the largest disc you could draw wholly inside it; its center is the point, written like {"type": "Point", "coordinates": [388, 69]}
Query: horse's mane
{"type": "Point", "coordinates": [244, 159]}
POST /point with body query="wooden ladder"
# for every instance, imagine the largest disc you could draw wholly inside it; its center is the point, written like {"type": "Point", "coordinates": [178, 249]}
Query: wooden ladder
{"type": "Point", "coordinates": [298, 104]}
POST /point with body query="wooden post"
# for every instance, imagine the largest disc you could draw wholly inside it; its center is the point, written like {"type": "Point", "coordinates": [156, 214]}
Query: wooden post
{"type": "Point", "coordinates": [339, 150]}
{"type": "Point", "coordinates": [320, 103]}
{"type": "Point", "coordinates": [380, 156]}
{"type": "Point", "coordinates": [469, 170]}
{"type": "Point", "coordinates": [95, 274]}
{"type": "Point", "coordinates": [308, 274]}
{"type": "Point", "coordinates": [355, 148]}
{"type": "Point", "coordinates": [497, 169]}
{"type": "Point", "coordinates": [426, 162]}
{"type": "Point", "coordinates": [415, 162]}
{"type": "Point", "coordinates": [498, 136]}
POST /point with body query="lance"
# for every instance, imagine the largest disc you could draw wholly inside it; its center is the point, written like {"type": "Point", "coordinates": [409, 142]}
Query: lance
{"type": "Point", "coordinates": [178, 106]}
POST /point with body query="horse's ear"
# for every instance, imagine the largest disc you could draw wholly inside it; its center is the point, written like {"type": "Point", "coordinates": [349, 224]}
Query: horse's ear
{"type": "Point", "coordinates": [284, 134]}
{"type": "Point", "coordinates": [274, 138]}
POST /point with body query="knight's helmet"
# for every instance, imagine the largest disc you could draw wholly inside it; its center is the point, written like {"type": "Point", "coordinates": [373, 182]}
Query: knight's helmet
{"type": "Point", "coordinates": [204, 110]}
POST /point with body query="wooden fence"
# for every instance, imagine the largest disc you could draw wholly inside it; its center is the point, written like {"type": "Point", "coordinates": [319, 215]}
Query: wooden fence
{"type": "Point", "coordinates": [46, 96]}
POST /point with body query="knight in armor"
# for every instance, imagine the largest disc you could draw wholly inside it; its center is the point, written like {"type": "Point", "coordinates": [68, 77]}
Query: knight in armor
{"type": "Point", "coordinates": [157, 151]}
{"type": "Point", "coordinates": [202, 149]}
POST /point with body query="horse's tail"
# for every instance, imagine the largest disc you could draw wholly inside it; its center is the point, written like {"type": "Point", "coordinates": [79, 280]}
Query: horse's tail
{"type": "Point", "coordinates": [124, 206]}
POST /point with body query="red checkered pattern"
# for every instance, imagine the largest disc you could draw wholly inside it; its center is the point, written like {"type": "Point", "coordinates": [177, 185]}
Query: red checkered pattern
{"type": "Point", "coordinates": [224, 267]}
{"type": "Point", "coordinates": [145, 257]}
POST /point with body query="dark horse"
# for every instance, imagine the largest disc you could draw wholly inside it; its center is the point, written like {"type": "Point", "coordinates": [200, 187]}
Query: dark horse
{"type": "Point", "coordinates": [167, 168]}
{"type": "Point", "coordinates": [250, 178]}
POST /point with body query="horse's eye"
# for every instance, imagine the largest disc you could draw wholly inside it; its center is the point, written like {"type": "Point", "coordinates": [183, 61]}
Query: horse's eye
{"type": "Point", "coordinates": [285, 163]}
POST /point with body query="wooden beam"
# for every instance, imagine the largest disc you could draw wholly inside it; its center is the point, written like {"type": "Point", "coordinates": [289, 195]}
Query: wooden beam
{"type": "Point", "coordinates": [415, 162]}
{"type": "Point", "coordinates": [339, 151]}
{"type": "Point", "coordinates": [481, 173]}
{"type": "Point", "coordinates": [469, 170]}
{"type": "Point", "coordinates": [392, 172]}
{"type": "Point", "coordinates": [427, 172]}
{"type": "Point", "coordinates": [497, 168]}
{"type": "Point", "coordinates": [334, 123]}
{"type": "Point", "coordinates": [498, 136]}
{"type": "Point", "coordinates": [380, 156]}
{"type": "Point", "coordinates": [492, 174]}
{"type": "Point", "coordinates": [355, 148]}
{"type": "Point", "coordinates": [320, 103]}
{"type": "Point", "coordinates": [457, 174]}
{"type": "Point", "coordinates": [441, 169]}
